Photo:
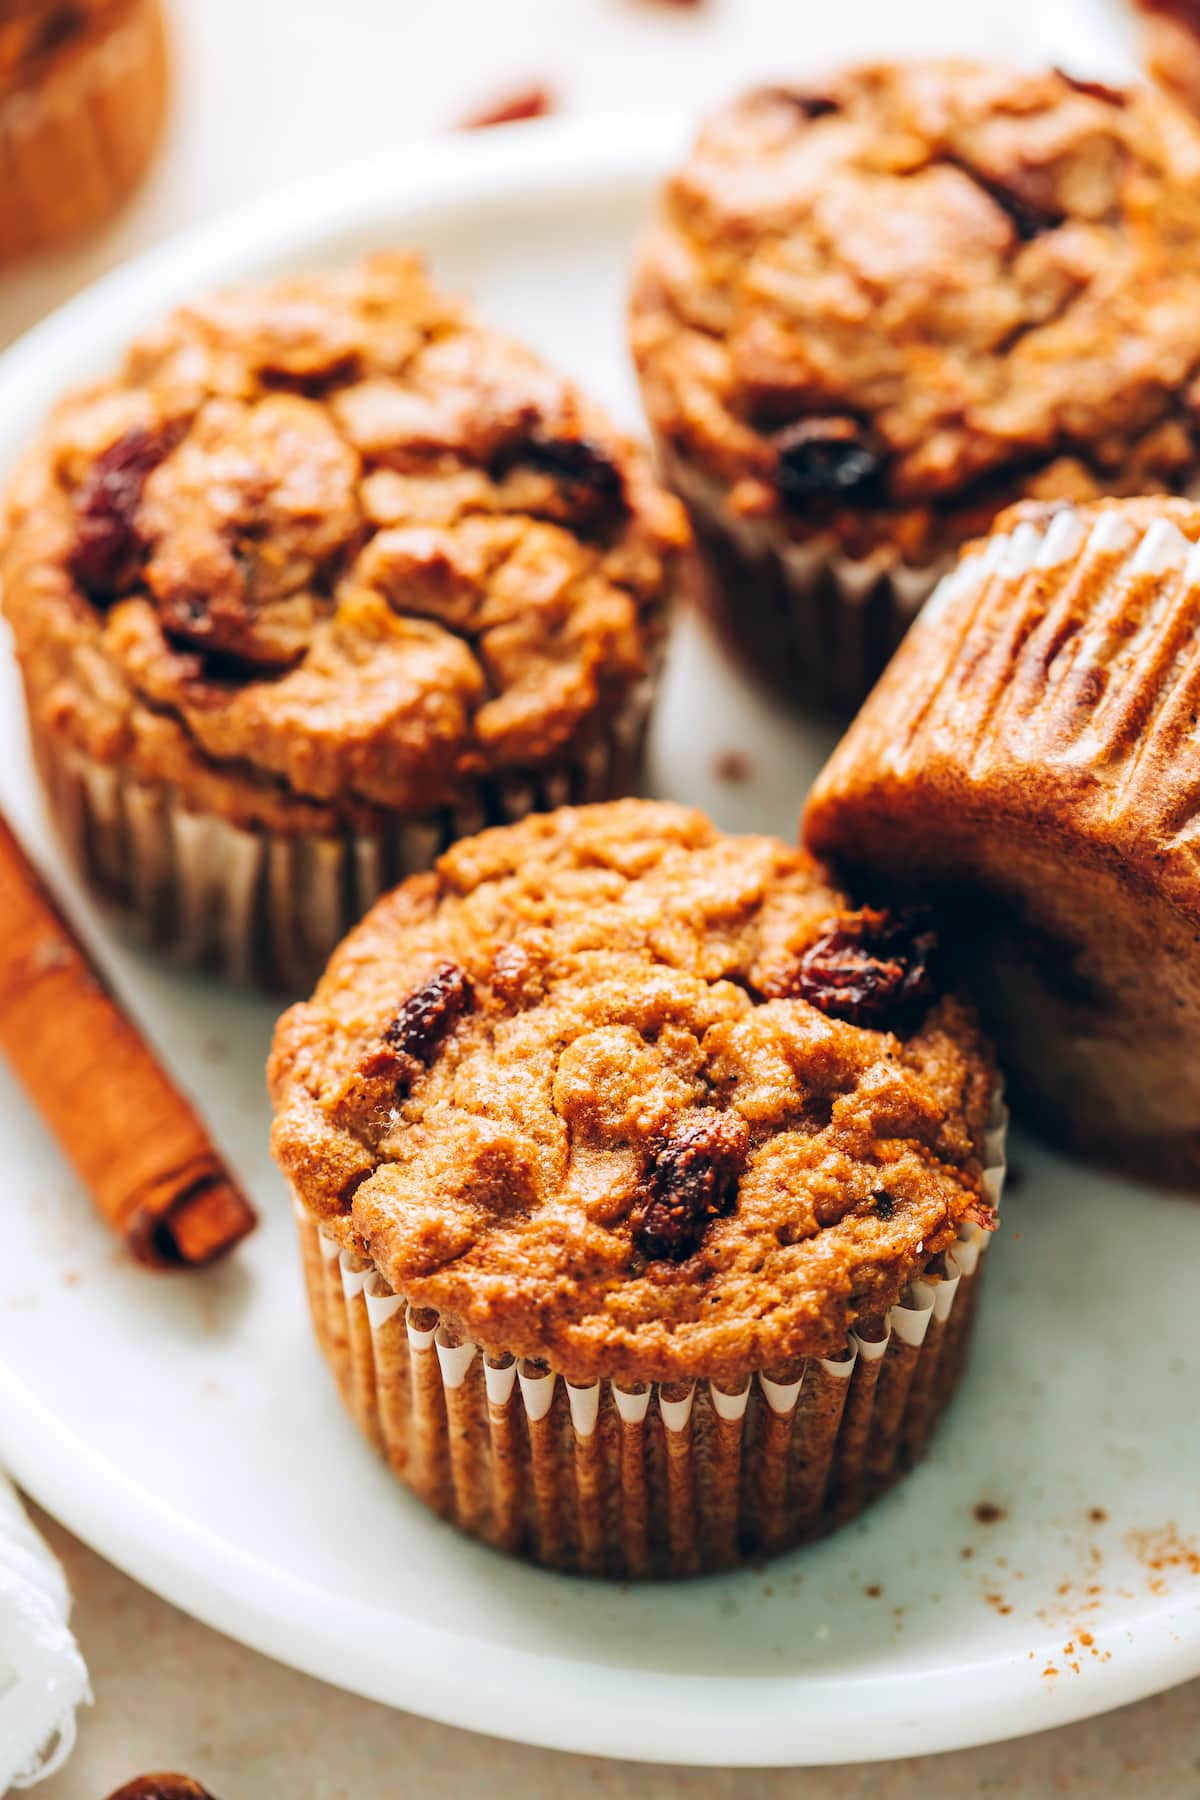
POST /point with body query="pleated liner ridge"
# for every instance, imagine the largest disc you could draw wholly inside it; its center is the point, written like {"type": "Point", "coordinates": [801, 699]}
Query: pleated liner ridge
{"type": "Point", "coordinates": [815, 624]}
{"type": "Point", "coordinates": [269, 907]}
{"type": "Point", "coordinates": [642, 1478]}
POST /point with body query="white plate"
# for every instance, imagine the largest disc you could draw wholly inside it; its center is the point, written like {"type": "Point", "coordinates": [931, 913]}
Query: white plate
{"type": "Point", "coordinates": [187, 1429]}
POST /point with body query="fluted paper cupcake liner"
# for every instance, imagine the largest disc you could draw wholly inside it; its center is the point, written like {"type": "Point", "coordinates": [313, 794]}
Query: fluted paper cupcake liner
{"type": "Point", "coordinates": [816, 625]}
{"type": "Point", "coordinates": [74, 145]}
{"type": "Point", "coordinates": [641, 1478]}
{"type": "Point", "coordinates": [269, 907]}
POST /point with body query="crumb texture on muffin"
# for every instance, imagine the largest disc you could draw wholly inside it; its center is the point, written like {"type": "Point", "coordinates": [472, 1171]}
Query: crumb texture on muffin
{"type": "Point", "coordinates": [331, 543]}
{"type": "Point", "coordinates": [893, 302]}
{"type": "Point", "coordinates": [566, 1091]}
{"type": "Point", "coordinates": [1032, 757]}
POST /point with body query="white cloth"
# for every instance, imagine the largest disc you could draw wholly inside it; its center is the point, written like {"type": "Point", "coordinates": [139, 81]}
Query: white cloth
{"type": "Point", "coordinates": [43, 1678]}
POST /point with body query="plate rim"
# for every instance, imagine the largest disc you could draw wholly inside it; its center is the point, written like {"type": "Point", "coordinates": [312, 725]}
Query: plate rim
{"type": "Point", "coordinates": [663, 1718]}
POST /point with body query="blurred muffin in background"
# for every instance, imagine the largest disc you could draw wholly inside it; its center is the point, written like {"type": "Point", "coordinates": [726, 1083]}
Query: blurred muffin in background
{"type": "Point", "coordinates": [83, 88]}
{"type": "Point", "coordinates": [873, 313]}
{"type": "Point", "coordinates": [1171, 46]}
{"type": "Point", "coordinates": [325, 576]}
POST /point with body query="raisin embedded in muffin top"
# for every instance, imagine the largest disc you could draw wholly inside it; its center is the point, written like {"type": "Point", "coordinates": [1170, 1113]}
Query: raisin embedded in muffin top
{"type": "Point", "coordinates": [593, 1090]}
{"type": "Point", "coordinates": [331, 541]}
{"type": "Point", "coordinates": [920, 286]}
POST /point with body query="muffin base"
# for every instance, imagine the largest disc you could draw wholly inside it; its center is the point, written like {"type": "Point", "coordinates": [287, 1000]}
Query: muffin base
{"type": "Point", "coordinates": [268, 907]}
{"type": "Point", "coordinates": [643, 1479]}
{"type": "Point", "coordinates": [815, 626]}
{"type": "Point", "coordinates": [75, 146]}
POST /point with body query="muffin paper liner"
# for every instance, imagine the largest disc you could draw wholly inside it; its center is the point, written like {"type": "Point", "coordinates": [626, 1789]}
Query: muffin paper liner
{"type": "Point", "coordinates": [817, 626]}
{"type": "Point", "coordinates": [269, 907]}
{"type": "Point", "coordinates": [640, 1478]}
{"type": "Point", "coordinates": [73, 146]}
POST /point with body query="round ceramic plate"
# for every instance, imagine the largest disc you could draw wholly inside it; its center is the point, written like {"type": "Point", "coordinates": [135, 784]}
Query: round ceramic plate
{"type": "Point", "coordinates": [1037, 1567]}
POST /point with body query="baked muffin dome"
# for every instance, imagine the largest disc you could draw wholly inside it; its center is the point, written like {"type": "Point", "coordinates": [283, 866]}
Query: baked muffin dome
{"type": "Point", "coordinates": [873, 314]}
{"type": "Point", "coordinates": [641, 1186]}
{"type": "Point", "coordinates": [1031, 759]}
{"type": "Point", "coordinates": [501, 1067]}
{"type": "Point", "coordinates": [329, 556]}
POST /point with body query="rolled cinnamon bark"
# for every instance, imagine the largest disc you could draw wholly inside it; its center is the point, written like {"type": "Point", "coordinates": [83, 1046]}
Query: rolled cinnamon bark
{"type": "Point", "coordinates": [136, 1143]}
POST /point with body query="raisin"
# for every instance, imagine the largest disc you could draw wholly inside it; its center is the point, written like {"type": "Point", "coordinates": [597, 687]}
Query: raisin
{"type": "Point", "coordinates": [526, 103]}
{"type": "Point", "coordinates": [1095, 90]}
{"type": "Point", "coordinates": [592, 483]}
{"type": "Point", "coordinates": [365, 1102]}
{"type": "Point", "coordinates": [871, 969]}
{"type": "Point", "coordinates": [808, 105]}
{"type": "Point", "coordinates": [107, 552]}
{"type": "Point", "coordinates": [161, 1787]}
{"type": "Point", "coordinates": [885, 1206]}
{"type": "Point", "coordinates": [983, 1214]}
{"type": "Point", "coordinates": [514, 978]}
{"type": "Point", "coordinates": [690, 1179]}
{"type": "Point", "coordinates": [825, 459]}
{"type": "Point", "coordinates": [1028, 216]}
{"type": "Point", "coordinates": [429, 1014]}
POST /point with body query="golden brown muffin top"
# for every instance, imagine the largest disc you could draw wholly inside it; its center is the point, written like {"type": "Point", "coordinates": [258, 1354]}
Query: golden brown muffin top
{"type": "Point", "coordinates": [928, 289]}
{"type": "Point", "coordinates": [330, 540]}
{"type": "Point", "coordinates": [616, 1090]}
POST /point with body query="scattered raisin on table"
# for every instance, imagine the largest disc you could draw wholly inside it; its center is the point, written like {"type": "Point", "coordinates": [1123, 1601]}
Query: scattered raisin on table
{"type": "Point", "coordinates": [868, 969]}
{"type": "Point", "coordinates": [107, 551]}
{"type": "Point", "coordinates": [825, 459]}
{"type": "Point", "coordinates": [161, 1787]}
{"type": "Point", "coordinates": [533, 102]}
{"type": "Point", "coordinates": [691, 1179]}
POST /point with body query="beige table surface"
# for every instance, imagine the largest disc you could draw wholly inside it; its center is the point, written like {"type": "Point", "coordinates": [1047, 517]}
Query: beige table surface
{"type": "Point", "coordinates": [172, 1694]}
{"type": "Point", "coordinates": [254, 78]}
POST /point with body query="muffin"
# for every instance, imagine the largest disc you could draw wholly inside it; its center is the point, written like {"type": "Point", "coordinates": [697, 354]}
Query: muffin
{"type": "Point", "coordinates": [1030, 759]}
{"type": "Point", "coordinates": [326, 575]}
{"type": "Point", "coordinates": [82, 98]}
{"type": "Point", "coordinates": [641, 1186]}
{"type": "Point", "coordinates": [874, 313]}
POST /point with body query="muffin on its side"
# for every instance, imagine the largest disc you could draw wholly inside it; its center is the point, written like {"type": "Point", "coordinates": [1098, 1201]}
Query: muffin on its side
{"type": "Point", "coordinates": [327, 575]}
{"type": "Point", "coordinates": [1032, 758]}
{"type": "Point", "coordinates": [82, 98]}
{"type": "Point", "coordinates": [641, 1185]}
{"type": "Point", "coordinates": [874, 313]}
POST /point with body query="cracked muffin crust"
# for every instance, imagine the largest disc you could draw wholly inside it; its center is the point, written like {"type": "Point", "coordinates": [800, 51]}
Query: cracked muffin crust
{"type": "Point", "coordinates": [329, 554]}
{"type": "Point", "coordinates": [82, 92]}
{"type": "Point", "coordinates": [1029, 760]}
{"type": "Point", "coordinates": [567, 1091]}
{"type": "Point", "coordinates": [874, 313]}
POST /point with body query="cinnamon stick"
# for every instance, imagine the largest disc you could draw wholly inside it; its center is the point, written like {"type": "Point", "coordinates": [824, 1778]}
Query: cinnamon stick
{"type": "Point", "coordinates": [137, 1144]}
